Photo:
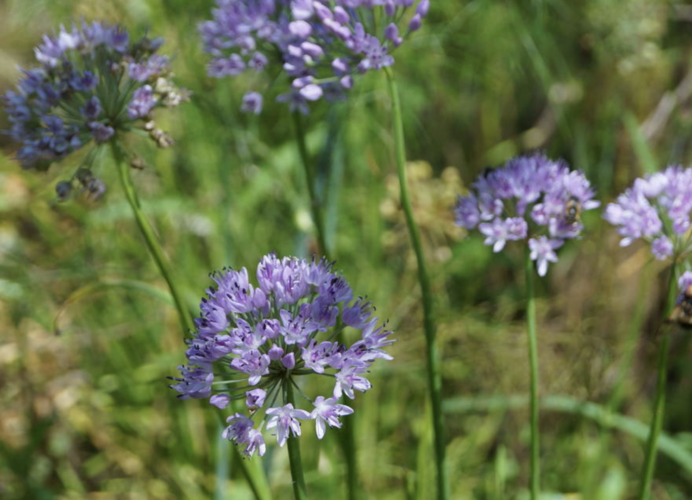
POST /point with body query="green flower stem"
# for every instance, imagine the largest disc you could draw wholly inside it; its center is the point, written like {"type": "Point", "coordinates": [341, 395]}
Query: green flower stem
{"type": "Point", "coordinates": [300, 492]}
{"type": "Point", "coordinates": [347, 439]}
{"type": "Point", "coordinates": [433, 359]}
{"type": "Point", "coordinates": [150, 238]}
{"type": "Point", "coordinates": [347, 434]}
{"type": "Point", "coordinates": [535, 479]}
{"type": "Point", "coordinates": [315, 205]}
{"type": "Point", "coordinates": [647, 474]}
{"type": "Point", "coordinates": [252, 470]}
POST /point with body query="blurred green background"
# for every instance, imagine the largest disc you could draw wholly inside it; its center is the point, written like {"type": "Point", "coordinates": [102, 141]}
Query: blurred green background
{"type": "Point", "coordinates": [85, 411]}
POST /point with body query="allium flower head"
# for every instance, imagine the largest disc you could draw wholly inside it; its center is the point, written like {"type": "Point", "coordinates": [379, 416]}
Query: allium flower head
{"type": "Point", "coordinates": [656, 209]}
{"type": "Point", "coordinates": [92, 82]}
{"type": "Point", "coordinates": [253, 342]}
{"type": "Point", "coordinates": [318, 44]}
{"type": "Point", "coordinates": [530, 197]}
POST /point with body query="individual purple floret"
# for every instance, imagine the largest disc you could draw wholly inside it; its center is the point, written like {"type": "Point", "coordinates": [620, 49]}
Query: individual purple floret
{"type": "Point", "coordinates": [656, 209]}
{"type": "Point", "coordinates": [529, 197]}
{"type": "Point", "coordinates": [254, 342]}
{"type": "Point", "coordinates": [318, 44]}
{"type": "Point", "coordinates": [92, 82]}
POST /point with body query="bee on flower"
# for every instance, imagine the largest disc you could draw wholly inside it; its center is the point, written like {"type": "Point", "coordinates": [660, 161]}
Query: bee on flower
{"type": "Point", "coordinates": [531, 198]}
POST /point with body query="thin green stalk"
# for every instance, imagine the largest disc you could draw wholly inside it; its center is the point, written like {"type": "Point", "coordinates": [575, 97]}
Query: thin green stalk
{"type": "Point", "coordinates": [347, 435]}
{"type": "Point", "coordinates": [433, 359]}
{"type": "Point", "coordinates": [315, 205]}
{"type": "Point", "coordinates": [347, 439]}
{"type": "Point", "coordinates": [300, 491]}
{"type": "Point", "coordinates": [660, 398]}
{"type": "Point", "coordinates": [150, 238]}
{"type": "Point", "coordinates": [253, 473]}
{"type": "Point", "coordinates": [535, 481]}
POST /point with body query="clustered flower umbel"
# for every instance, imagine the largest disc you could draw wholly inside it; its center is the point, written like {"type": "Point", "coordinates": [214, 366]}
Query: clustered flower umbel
{"type": "Point", "coordinates": [92, 82]}
{"type": "Point", "coordinates": [530, 197]}
{"type": "Point", "coordinates": [319, 44]}
{"type": "Point", "coordinates": [252, 342]}
{"type": "Point", "coordinates": [656, 209]}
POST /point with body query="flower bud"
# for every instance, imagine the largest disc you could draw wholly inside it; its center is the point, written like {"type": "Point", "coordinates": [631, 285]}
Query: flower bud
{"type": "Point", "coordinates": [63, 189]}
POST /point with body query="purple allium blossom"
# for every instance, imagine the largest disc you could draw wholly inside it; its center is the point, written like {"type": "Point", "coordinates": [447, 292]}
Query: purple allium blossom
{"type": "Point", "coordinates": [285, 419]}
{"type": "Point", "coordinates": [272, 334]}
{"type": "Point", "coordinates": [657, 209]}
{"type": "Point", "coordinates": [252, 103]}
{"type": "Point", "coordinates": [92, 82]}
{"type": "Point", "coordinates": [320, 45]}
{"type": "Point", "coordinates": [328, 411]}
{"type": "Point", "coordinates": [530, 197]}
{"type": "Point", "coordinates": [543, 252]}
{"type": "Point", "coordinates": [143, 101]}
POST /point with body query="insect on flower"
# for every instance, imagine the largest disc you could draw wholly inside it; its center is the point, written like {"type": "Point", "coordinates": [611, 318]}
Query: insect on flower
{"type": "Point", "coordinates": [682, 312]}
{"type": "Point", "coordinates": [530, 198]}
{"type": "Point", "coordinates": [572, 210]}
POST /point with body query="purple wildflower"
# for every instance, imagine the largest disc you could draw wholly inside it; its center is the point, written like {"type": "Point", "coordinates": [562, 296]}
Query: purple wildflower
{"type": "Point", "coordinates": [252, 103]}
{"type": "Point", "coordinates": [531, 197]}
{"type": "Point", "coordinates": [241, 431]}
{"type": "Point", "coordinates": [543, 251]}
{"type": "Point", "coordinates": [273, 334]}
{"type": "Point", "coordinates": [92, 81]}
{"type": "Point", "coordinates": [324, 41]}
{"type": "Point", "coordinates": [221, 401]}
{"type": "Point", "coordinates": [657, 209]}
{"type": "Point", "coordinates": [285, 419]}
{"type": "Point", "coordinates": [255, 398]}
{"type": "Point", "coordinates": [143, 101]}
{"type": "Point", "coordinates": [328, 411]}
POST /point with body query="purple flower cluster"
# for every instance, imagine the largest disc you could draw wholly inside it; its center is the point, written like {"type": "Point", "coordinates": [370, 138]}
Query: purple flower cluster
{"type": "Point", "coordinates": [319, 44]}
{"type": "Point", "coordinates": [91, 82]}
{"type": "Point", "coordinates": [656, 209]}
{"type": "Point", "coordinates": [530, 197]}
{"type": "Point", "coordinates": [254, 342]}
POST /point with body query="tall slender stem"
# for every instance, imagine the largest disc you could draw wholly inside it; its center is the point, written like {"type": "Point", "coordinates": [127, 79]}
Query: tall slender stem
{"type": "Point", "coordinates": [150, 238]}
{"type": "Point", "coordinates": [315, 205]}
{"type": "Point", "coordinates": [433, 359]}
{"type": "Point", "coordinates": [660, 398]}
{"type": "Point", "coordinates": [300, 491]}
{"type": "Point", "coordinates": [347, 434]}
{"type": "Point", "coordinates": [347, 438]}
{"type": "Point", "coordinates": [535, 479]}
{"type": "Point", "coordinates": [255, 476]}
